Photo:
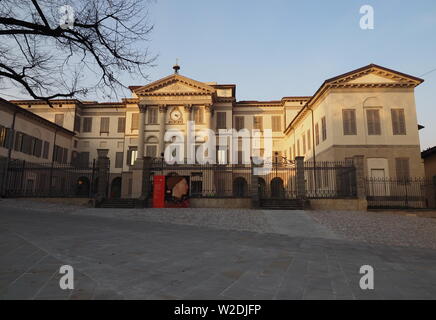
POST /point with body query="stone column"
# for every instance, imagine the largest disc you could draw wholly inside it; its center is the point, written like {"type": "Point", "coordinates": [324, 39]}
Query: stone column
{"type": "Point", "coordinates": [103, 175]}
{"type": "Point", "coordinates": [162, 119]}
{"type": "Point", "coordinates": [141, 132]}
{"type": "Point", "coordinates": [208, 110]}
{"type": "Point", "coordinates": [301, 181]}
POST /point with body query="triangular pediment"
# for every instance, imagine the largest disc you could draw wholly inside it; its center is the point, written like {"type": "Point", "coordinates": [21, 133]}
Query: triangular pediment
{"type": "Point", "coordinates": [374, 75]}
{"type": "Point", "coordinates": [175, 85]}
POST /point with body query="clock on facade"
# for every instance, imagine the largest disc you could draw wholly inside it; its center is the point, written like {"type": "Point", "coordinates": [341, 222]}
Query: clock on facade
{"type": "Point", "coordinates": [176, 115]}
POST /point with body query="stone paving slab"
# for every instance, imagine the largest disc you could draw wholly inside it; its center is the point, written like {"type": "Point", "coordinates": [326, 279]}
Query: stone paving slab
{"type": "Point", "coordinates": [116, 258]}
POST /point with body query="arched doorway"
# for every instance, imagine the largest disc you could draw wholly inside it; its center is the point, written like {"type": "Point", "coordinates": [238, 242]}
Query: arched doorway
{"type": "Point", "coordinates": [277, 189]}
{"type": "Point", "coordinates": [261, 187]}
{"type": "Point", "coordinates": [82, 188]}
{"type": "Point", "coordinates": [116, 188]}
{"type": "Point", "coordinates": [240, 187]}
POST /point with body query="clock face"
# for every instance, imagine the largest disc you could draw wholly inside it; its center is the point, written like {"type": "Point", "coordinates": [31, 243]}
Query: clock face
{"type": "Point", "coordinates": [176, 115]}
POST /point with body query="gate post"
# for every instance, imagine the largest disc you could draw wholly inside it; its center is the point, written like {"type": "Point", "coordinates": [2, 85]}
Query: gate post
{"type": "Point", "coordinates": [141, 181]}
{"type": "Point", "coordinates": [360, 176]}
{"type": "Point", "coordinates": [301, 181]}
{"type": "Point", "coordinates": [103, 171]}
{"type": "Point", "coordinates": [254, 186]}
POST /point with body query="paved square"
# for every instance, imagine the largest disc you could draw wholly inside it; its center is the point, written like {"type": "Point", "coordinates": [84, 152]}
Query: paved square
{"type": "Point", "coordinates": [202, 254]}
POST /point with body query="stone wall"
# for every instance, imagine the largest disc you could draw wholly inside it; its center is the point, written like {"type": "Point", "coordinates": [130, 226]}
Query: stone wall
{"type": "Point", "coordinates": [339, 204]}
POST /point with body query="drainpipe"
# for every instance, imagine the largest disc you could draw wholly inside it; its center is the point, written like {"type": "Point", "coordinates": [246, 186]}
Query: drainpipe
{"type": "Point", "coordinates": [10, 146]}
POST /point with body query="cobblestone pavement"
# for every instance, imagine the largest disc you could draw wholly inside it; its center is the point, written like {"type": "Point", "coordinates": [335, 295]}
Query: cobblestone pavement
{"type": "Point", "coordinates": [131, 258]}
{"type": "Point", "coordinates": [382, 228]}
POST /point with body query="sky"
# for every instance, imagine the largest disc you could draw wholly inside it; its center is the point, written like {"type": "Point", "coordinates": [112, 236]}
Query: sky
{"type": "Point", "coordinates": [276, 48]}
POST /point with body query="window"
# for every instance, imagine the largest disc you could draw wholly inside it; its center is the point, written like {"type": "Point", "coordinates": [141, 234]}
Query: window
{"type": "Point", "coordinates": [293, 151]}
{"type": "Point", "coordinates": [37, 150]}
{"type": "Point", "coordinates": [59, 119]}
{"type": "Point", "coordinates": [119, 159]}
{"type": "Point", "coordinates": [104, 125]}
{"type": "Point", "coordinates": [258, 123]}
{"type": "Point", "coordinates": [222, 156]}
{"type": "Point", "coordinates": [150, 151]}
{"type": "Point", "coordinates": [304, 144]}
{"type": "Point", "coordinates": [4, 136]}
{"type": "Point", "coordinates": [324, 128]}
{"type": "Point", "coordinates": [290, 153]}
{"type": "Point", "coordinates": [132, 153]}
{"type": "Point", "coordinates": [298, 148]}
{"type": "Point", "coordinates": [121, 125]}
{"type": "Point", "coordinates": [373, 120]}
{"type": "Point", "coordinates": [398, 122]}
{"type": "Point", "coordinates": [152, 115]}
{"type": "Point", "coordinates": [18, 141]}
{"type": "Point", "coordinates": [402, 167]}
{"type": "Point", "coordinates": [221, 120]}
{"type": "Point", "coordinates": [45, 150]}
{"type": "Point", "coordinates": [349, 122]}
{"type": "Point", "coordinates": [309, 143]}
{"type": "Point", "coordinates": [199, 115]}
{"type": "Point", "coordinates": [317, 134]}
{"type": "Point", "coordinates": [135, 121]}
{"type": "Point", "coordinates": [76, 123]}
{"type": "Point", "coordinates": [276, 123]}
{"type": "Point", "coordinates": [239, 123]}
{"type": "Point", "coordinates": [87, 124]}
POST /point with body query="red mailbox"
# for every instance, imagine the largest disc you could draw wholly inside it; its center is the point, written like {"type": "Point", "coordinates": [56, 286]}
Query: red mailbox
{"type": "Point", "coordinates": [159, 192]}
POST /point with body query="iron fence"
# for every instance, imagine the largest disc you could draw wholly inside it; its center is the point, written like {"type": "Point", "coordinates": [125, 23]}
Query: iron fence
{"type": "Point", "coordinates": [413, 193]}
{"type": "Point", "coordinates": [25, 179]}
{"type": "Point", "coordinates": [330, 180]}
{"type": "Point", "coordinates": [207, 180]}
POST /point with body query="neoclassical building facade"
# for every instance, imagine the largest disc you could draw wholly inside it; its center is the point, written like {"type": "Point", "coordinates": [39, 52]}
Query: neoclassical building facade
{"type": "Point", "coordinates": [370, 111]}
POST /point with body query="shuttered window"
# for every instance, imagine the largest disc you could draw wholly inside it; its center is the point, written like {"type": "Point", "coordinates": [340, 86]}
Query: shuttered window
{"type": "Point", "coordinates": [121, 125]}
{"type": "Point", "coordinates": [304, 144]}
{"type": "Point", "coordinates": [276, 123]}
{"type": "Point", "coordinates": [4, 137]}
{"type": "Point", "coordinates": [135, 121]}
{"type": "Point", "coordinates": [239, 123]}
{"type": "Point", "coordinates": [402, 168]}
{"type": "Point", "coordinates": [77, 123]}
{"type": "Point", "coordinates": [59, 119]}
{"type": "Point", "coordinates": [373, 119]}
{"type": "Point", "coordinates": [298, 148]}
{"type": "Point", "coordinates": [398, 122]}
{"type": "Point", "coordinates": [119, 159]}
{"type": "Point", "coordinates": [104, 125]}
{"type": "Point", "coordinates": [258, 123]}
{"type": "Point", "coordinates": [221, 120]}
{"type": "Point", "coordinates": [45, 150]}
{"type": "Point", "coordinates": [152, 115]}
{"type": "Point", "coordinates": [317, 134]}
{"type": "Point", "coordinates": [349, 122]}
{"type": "Point", "coordinates": [87, 124]}
{"type": "Point", "coordinates": [324, 128]}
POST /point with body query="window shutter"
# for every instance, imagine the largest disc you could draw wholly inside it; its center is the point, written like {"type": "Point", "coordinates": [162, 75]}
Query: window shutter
{"type": "Point", "coordinates": [324, 128]}
{"type": "Point", "coordinates": [298, 148]}
{"type": "Point", "coordinates": [121, 125]}
{"type": "Point", "coordinates": [135, 121]}
{"type": "Point", "coordinates": [119, 159]}
{"type": "Point", "coordinates": [104, 125]}
{"type": "Point", "coordinates": [221, 120]}
{"type": "Point", "coordinates": [45, 151]}
{"type": "Point", "coordinates": [317, 134]}
{"type": "Point", "coordinates": [373, 118]}
{"type": "Point", "coordinates": [398, 122]}
{"type": "Point", "coordinates": [258, 123]}
{"type": "Point", "coordinates": [276, 123]}
{"type": "Point", "coordinates": [239, 123]}
{"type": "Point", "coordinates": [349, 122]}
{"type": "Point", "coordinates": [304, 144]}
{"type": "Point", "coordinates": [403, 170]}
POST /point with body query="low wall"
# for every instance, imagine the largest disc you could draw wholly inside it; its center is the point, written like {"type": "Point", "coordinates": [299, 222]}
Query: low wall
{"type": "Point", "coordinates": [339, 204]}
{"type": "Point", "coordinates": [226, 203]}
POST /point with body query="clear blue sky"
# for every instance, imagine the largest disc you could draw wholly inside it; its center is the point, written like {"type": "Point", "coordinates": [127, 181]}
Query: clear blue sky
{"type": "Point", "coordinates": [277, 48]}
